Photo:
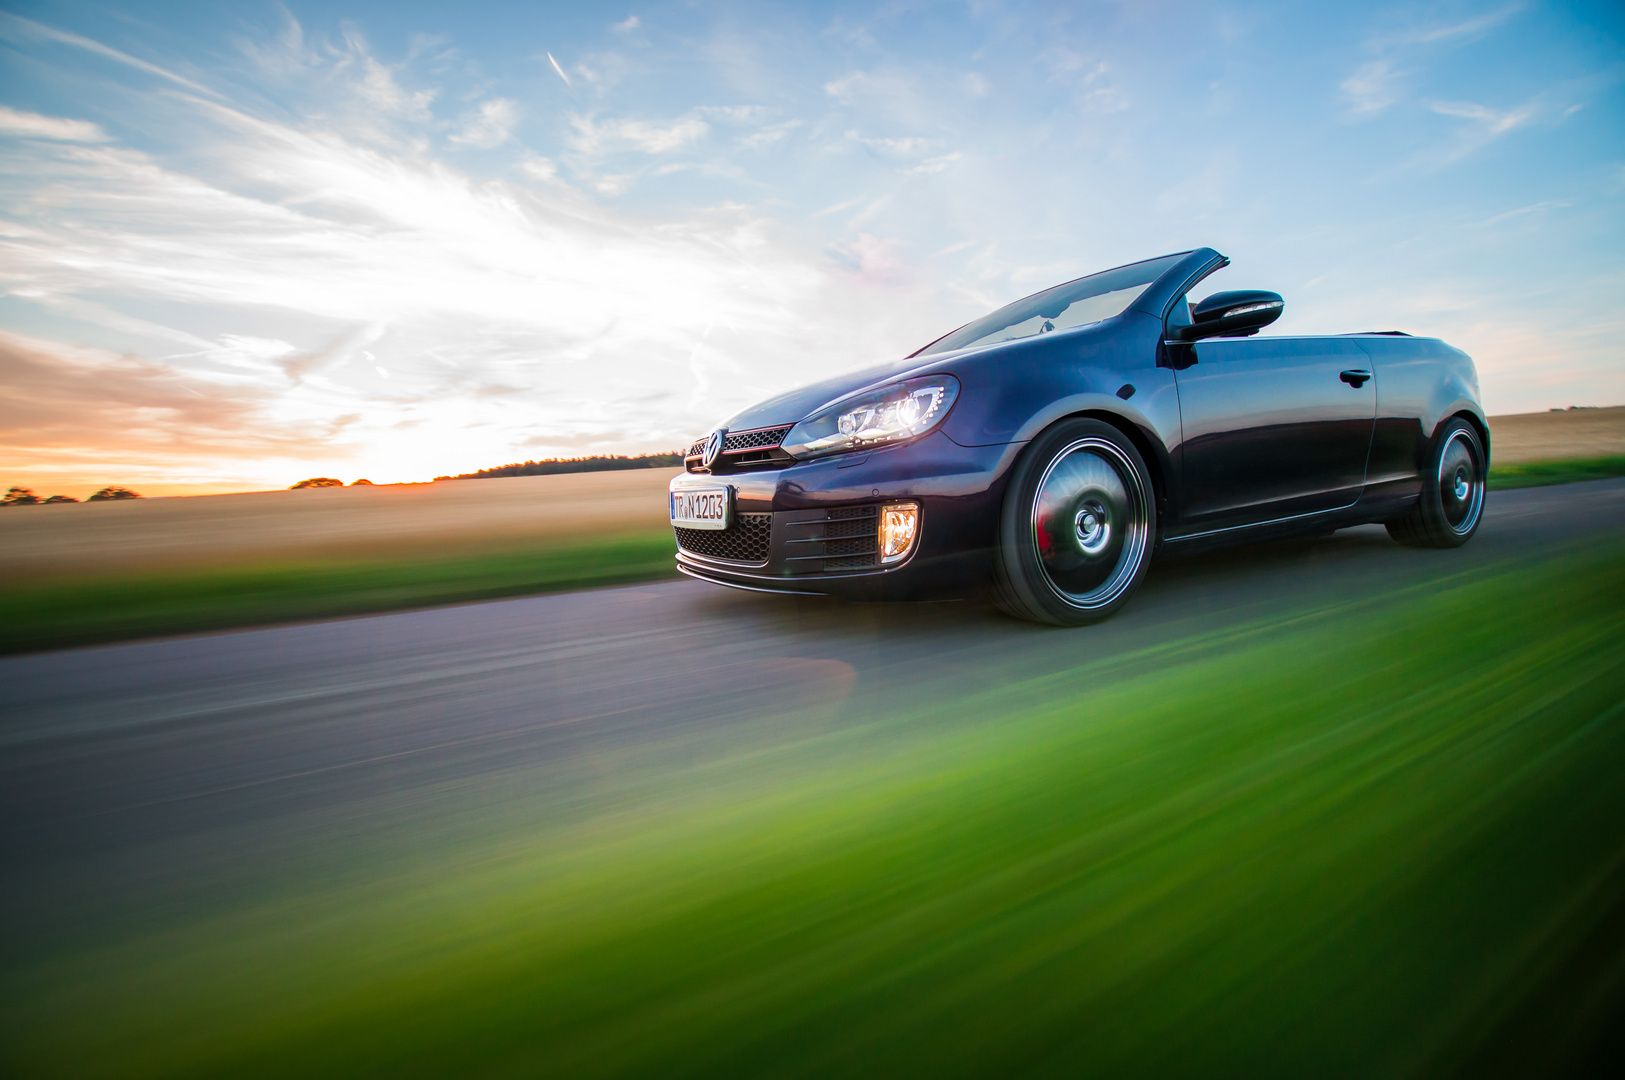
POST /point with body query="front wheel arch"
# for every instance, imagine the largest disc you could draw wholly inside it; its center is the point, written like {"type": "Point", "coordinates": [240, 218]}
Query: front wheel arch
{"type": "Point", "coordinates": [1149, 454]}
{"type": "Point", "coordinates": [1076, 525]}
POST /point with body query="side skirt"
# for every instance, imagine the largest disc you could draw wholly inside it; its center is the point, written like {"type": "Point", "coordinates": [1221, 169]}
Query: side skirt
{"type": "Point", "coordinates": [1365, 511]}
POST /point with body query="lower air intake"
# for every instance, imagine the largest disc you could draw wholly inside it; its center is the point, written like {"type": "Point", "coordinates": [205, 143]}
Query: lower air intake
{"type": "Point", "coordinates": [745, 540]}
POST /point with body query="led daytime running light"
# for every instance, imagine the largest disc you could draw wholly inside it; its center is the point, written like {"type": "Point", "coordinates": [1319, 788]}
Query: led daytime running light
{"type": "Point", "coordinates": [877, 417]}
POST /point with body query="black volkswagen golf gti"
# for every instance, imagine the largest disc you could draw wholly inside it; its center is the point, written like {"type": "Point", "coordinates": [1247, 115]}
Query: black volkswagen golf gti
{"type": "Point", "coordinates": [1050, 449]}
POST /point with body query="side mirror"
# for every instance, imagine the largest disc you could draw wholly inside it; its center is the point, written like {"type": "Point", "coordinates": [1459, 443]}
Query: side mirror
{"type": "Point", "coordinates": [1237, 313]}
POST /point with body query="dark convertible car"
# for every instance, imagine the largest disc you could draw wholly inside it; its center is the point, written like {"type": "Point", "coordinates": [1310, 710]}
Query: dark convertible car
{"type": "Point", "coordinates": [1052, 448]}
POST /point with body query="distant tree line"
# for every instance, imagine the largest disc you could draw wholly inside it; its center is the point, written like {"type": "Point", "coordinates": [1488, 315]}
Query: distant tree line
{"type": "Point", "coordinates": [594, 463]}
{"type": "Point", "coordinates": [21, 496]}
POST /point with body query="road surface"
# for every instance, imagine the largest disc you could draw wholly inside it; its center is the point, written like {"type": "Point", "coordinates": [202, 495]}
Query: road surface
{"type": "Point", "coordinates": [143, 783]}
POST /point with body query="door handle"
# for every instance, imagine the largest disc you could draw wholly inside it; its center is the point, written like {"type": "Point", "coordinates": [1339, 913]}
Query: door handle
{"type": "Point", "coordinates": [1355, 379]}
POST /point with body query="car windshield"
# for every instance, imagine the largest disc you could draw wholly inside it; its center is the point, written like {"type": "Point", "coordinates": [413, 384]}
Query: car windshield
{"type": "Point", "coordinates": [1077, 303]}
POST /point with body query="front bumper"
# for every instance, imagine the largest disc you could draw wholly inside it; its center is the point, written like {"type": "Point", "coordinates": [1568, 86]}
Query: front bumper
{"type": "Point", "coordinates": [811, 527]}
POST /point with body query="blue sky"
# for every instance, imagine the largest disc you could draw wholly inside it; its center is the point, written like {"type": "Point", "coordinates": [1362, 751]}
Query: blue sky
{"type": "Point", "coordinates": [251, 242]}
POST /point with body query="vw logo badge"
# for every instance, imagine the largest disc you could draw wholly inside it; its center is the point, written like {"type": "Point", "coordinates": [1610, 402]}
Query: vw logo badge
{"type": "Point", "coordinates": [713, 447]}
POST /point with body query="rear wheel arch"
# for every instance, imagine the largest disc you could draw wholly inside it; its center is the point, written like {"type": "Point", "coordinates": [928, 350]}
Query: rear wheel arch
{"type": "Point", "coordinates": [1479, 426]}
{"type": "Point", "coordinates": [1448, 511]}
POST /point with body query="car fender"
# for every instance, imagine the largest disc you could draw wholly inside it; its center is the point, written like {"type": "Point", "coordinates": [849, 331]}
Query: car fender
{"type": "Point", "coordinates": [1421, 384]}
{"type": "Point", "coordinates": [1010, 394]}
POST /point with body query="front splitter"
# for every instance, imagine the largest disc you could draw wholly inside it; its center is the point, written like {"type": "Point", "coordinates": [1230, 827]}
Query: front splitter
{"type": "Point", "coordinates": [700, 576]}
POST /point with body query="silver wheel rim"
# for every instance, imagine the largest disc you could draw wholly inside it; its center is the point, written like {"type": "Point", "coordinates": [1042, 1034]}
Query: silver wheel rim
{"type": "Point", "coordinates": [1461, 483]}
{"type": "Point", "coordinates": [1090, 523]}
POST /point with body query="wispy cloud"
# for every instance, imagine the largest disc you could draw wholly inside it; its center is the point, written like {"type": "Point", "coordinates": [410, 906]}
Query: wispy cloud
{"type": "Point", "coordinates": [769, 135]}
{"type": "Point", "coordinates": [491, 126]}
{"type": "Point", "coordinates": [869, 84]}
{"type": "Point", "coordinates": [1495, 122]}
{"type": "Point", "coordinates": [906, 146]}
{"type": "Point", "coordinates": [1097, 94]}
{"type": "Point", "coordinates": [937, 164]}
{"type": "Point", "coordinates": [1460, 29]}
{"type": "Point", "coordinates": [412, 288]}
{"type": "Point", "coordinates": [1523, 211]}
{"type": "Point", "coordinates": [16, 27]}
{"type": "Point", "coordinates": [872, 259]}
{"type": "Point", "coordinates": [63, 408]}
{"type": "Point", "coordinates": [1483, 126]}
{"type": "Point", "coordinates": [594, 137]}
{"type": "Point", "coordinates": [428, 258]}
{"type": "Point", "coordinates": [1372, 88]}
{"type": "Point", "coordinates": [539, 168]}
{"type": "Point", "coordinates": [34, 126]}
{"type": "Point", "coordinates": [1378, 83]}
{"type": "Point", "coordinates": [379, 86]}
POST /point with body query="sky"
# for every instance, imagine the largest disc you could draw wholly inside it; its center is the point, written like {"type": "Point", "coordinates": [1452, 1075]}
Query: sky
{"type": "Point", "coordinates": [243, 243]}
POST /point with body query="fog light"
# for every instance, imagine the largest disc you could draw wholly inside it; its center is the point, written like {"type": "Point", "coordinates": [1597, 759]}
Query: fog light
{"type": "Point", "coordinates": [898, 525]}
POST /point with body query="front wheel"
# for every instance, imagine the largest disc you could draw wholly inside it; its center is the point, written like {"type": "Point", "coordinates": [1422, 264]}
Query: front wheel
{"type": "Point", "coordinates": [1452, 502]}
{"type": "Point", "coordinates": [1077, 527]}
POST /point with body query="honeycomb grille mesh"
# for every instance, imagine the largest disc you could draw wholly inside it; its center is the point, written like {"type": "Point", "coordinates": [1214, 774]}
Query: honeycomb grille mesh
{"type": "Point", "coordinates": [765, 439]}
{"type": "Point", "coordinates": [754, 440]}
{"type": "Point", "coordinates": [857, 545]}
{"type": "Point", "coordinates": [864, 526]}
{"type": "Point", "coordinates": [745, 540]}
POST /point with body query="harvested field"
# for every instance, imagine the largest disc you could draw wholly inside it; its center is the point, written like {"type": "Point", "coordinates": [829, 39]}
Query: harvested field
{"type": "Point", "coordinates": [454, 517]}
{"type": "Point", "coordinates": [88, 572]}
{"type": "Point", "coordinates": [1520, 438]}
{"type": "Point", "coordinates": [464, 517]}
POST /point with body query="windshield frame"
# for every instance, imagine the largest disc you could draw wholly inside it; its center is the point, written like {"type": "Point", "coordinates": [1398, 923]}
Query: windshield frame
{"type": "Point", "coordinates": [973, 333]}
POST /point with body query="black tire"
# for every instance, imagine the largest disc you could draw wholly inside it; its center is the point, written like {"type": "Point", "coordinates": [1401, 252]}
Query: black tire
{"type": "Point", "coordinates": [1077, 528]}
{"type": "Point", "coordinates": [1452, 502]}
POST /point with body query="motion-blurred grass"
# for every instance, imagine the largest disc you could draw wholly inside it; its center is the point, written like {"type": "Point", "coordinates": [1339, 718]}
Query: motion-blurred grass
{"type": "Point", "coordinates": [1562, 471]}
{"type": "Point", "coordinates": [1382, 839]}
{"type": "Point", "coordinates": [59, 611]}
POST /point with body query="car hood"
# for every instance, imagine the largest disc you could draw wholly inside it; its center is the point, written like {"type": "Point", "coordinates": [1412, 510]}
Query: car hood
{"type": "Point", "coordinates": [794, 405]}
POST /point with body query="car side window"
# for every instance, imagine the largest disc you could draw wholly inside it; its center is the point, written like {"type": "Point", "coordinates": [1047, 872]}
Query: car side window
{"type": "Point", "coordinates": [1179, 316]}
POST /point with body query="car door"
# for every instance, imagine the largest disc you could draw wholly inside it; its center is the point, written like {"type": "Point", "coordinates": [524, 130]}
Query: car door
{"type": "Point", "coordinates": [1272, 427]}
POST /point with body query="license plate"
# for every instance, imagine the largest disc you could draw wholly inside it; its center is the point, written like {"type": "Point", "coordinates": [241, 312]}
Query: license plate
{"type": "Point", "coordinates": [700, 508]}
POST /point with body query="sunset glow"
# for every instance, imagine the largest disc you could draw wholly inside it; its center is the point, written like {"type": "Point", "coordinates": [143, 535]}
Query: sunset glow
{"type": "Point", "coordinates": [244, 244]}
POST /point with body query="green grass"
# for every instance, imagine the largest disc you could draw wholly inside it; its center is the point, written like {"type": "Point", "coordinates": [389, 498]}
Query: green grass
{"type": "Point", "coordinates": [1567, 471]}
{"type": "Point", "coordinates": [63, 611]}
{"type": "Point", "coordinates": [60, 612]}
{"type": "Point", "coordinates": [1386, 838]}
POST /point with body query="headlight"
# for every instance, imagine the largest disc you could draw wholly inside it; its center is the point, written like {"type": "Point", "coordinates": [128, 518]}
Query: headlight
{"type": "Point", "coordinates": [874, 418]}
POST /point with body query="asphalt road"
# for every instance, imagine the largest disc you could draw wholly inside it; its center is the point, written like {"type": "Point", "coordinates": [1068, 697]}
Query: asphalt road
{"type": "Point", "coordinates": [142, 783]}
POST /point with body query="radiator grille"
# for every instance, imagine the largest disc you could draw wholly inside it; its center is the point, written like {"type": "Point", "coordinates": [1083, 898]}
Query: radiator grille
{"type": "Point", "coordinates": [745, 540]}
{"type": "Point", "coordinates": [754, 440]}
{"type": "Point", "coordinates": [743, 448]}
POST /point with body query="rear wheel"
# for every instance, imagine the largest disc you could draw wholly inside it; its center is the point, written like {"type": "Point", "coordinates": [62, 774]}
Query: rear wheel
{"type": "Point", "coordinates": [1077, 527]}
{"type": "Point", "coordinates": [1452, 502]}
